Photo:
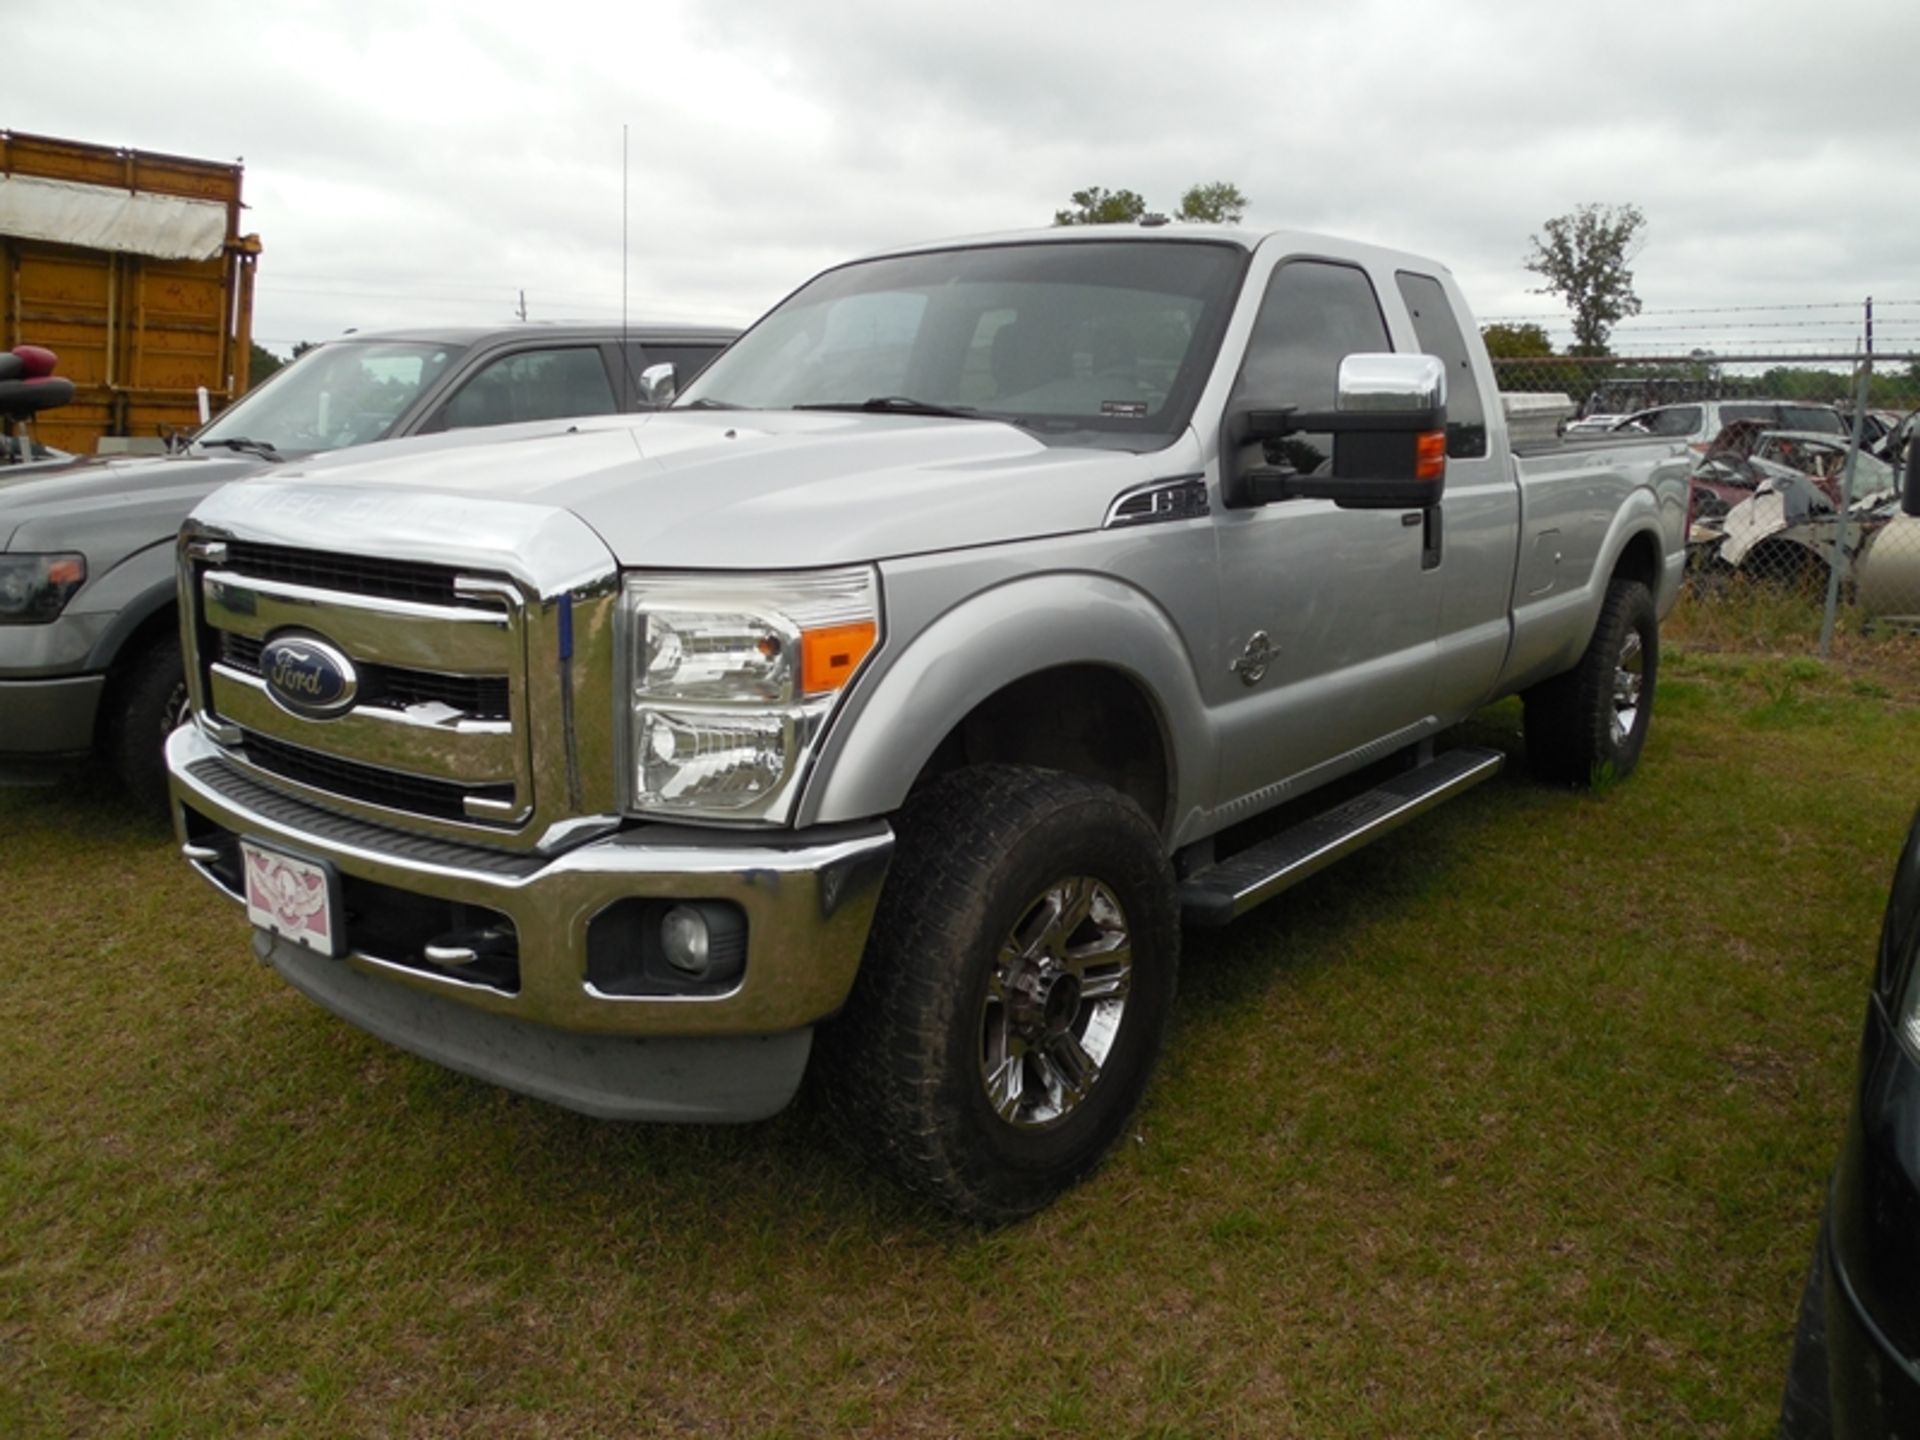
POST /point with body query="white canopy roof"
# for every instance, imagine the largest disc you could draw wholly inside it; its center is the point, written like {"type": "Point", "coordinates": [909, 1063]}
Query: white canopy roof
{"type": "Point", "coordinates": [169, 227]}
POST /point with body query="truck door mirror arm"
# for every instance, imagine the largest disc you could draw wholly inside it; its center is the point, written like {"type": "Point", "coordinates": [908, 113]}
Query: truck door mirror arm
{"type": "Point", "coordinates": [1389, 440]}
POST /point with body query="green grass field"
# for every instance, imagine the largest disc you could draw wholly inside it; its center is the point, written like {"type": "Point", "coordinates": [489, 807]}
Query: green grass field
{"type": "Point", "coordinates": [1516, 1124]}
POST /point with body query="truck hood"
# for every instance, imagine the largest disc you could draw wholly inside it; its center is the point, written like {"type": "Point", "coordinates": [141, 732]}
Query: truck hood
{"type": "Point", "coordinates": [136, 501]}
{"type": "Point", "coordinates": [741, 489]}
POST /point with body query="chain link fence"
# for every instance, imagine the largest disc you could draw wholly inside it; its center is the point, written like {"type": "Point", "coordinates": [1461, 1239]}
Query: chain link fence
{"type": "Point", "coordinates": [1795, 528]}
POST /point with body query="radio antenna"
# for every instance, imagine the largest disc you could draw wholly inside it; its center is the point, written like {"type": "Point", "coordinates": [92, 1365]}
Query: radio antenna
{"type": "Point", "coordinates": [626, 354]}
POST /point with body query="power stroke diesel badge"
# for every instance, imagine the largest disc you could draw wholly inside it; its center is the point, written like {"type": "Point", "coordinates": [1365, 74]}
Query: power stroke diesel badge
{"type": "Point", "coordinates": [307, 676]}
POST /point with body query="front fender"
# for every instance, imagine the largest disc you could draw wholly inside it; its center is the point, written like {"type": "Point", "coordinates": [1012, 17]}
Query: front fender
{"type": "Point", "coordinates": [985, 643]}
{"type": "Point", "coordinates": [128, 596]}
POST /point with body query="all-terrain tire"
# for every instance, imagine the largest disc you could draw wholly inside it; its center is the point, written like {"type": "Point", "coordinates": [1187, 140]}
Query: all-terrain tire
{"type": "Point", "coordinates": [961, 1059]}
{"type": "Point", "coordinates": [148, 701]}
{"type": "Point", "coordinates": [1591, 722]}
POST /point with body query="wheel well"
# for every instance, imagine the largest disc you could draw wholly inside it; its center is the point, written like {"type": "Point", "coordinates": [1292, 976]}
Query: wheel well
{"type": "Point", "coordinates": [163, 622]}
{"type": "Point", "coordinates": [1084, 719]}
{"type": "Point", "coordinates": [1640, 560]}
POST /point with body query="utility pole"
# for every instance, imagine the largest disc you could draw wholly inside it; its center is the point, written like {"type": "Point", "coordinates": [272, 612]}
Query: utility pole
{"type": "Point", "coordinates": [523, 305]}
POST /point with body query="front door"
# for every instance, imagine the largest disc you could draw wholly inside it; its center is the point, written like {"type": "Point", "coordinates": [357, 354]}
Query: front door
{"type": "Point", "coordinates": [1329, 620]}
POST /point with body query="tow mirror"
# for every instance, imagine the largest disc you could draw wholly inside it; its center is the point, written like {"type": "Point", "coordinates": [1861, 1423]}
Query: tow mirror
{"type": "Point", "coordinates": [1389, 429]}
{"type": "Point", "coordinates": [1910, 481]}
{"type": "Point", "coordinates": [659, 384]}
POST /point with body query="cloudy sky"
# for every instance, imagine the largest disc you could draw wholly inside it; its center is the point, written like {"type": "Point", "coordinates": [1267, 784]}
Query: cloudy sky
{"type": "Point", "coordinates": [413, 161]}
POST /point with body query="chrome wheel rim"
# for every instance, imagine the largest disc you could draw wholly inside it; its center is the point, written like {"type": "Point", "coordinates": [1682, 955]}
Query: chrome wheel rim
{"type": "Point", "coordinates": [1628, 675]}
{"type": "Point", "coordinates": [1054, 1003]}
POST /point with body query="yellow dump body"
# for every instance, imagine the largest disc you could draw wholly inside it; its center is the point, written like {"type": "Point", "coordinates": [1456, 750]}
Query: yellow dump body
{"type": "Point", "coordinates": [132, 268]}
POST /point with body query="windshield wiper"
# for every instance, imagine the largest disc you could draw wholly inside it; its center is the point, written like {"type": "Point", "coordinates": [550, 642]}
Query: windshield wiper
{"type": "Point", "coordinates": [240, 442]}
{"type": "Point", "coordinates": [705, 404]}
{"type": "Point", "coordinates": [901, 405]}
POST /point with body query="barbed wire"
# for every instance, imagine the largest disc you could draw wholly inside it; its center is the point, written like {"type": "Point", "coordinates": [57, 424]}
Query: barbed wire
{"type": "Point", "coordinates": [1854, 305]}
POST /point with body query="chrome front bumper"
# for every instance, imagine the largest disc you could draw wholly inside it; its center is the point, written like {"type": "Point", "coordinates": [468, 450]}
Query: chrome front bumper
{"type": "Point", "coordinates": [808, 899]}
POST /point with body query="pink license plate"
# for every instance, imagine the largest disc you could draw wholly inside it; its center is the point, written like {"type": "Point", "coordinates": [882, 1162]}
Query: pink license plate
{"type": "Point", "coordinates": [292, 897]}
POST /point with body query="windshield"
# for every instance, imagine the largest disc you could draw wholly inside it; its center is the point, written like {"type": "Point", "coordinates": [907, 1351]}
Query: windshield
{"type": "Point", "coordinates": [1100, 341]}
{"type": "Point", "coordinates": [345, 393]}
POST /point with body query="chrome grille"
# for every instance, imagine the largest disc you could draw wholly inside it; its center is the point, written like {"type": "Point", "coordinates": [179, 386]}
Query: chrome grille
{"type": "Point", "coordinates": [356, 574]}
{"type": "Point", "coordinates": [437, 728]}
{"type": "Point", "coordinates": [477, 696]}
{"type": "Point", "coordinates": [387, 788]}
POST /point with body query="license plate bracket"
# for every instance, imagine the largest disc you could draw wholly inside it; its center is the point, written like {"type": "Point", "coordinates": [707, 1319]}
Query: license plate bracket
{"type": "Point", "coordinates": [294, 897]}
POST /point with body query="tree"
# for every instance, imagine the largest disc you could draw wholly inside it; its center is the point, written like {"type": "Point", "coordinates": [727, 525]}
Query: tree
{"type": "Point", "coordinates": [1095, 206]}
{"type": "Point", "coordinates": [1218, 202]}
{"type": "Point", "coordinates": [1507, 341]}
{"type": "Point", "coordinates": [1583, 259]}
{"type": "Point", "coordinates": [261, 362]}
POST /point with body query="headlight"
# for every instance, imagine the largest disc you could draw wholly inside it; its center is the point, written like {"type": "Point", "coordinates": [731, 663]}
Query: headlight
{"type": "Point", "coordinates": [731, 682]}
{"type": "Point", "coordinates": [35, 588]}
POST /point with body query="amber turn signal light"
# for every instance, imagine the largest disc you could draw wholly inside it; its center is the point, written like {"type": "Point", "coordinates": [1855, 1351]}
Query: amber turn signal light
{"type": "Point", "coordinates": [1430, 456]}
{"type": "Point", "coordinates": [830, 655]}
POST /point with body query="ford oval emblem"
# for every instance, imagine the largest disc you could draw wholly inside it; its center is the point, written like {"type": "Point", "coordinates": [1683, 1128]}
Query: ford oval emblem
{"type": "Point", "coordinates": [307, 676]}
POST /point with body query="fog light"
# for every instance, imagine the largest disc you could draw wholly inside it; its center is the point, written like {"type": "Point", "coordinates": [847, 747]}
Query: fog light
{"type": "Point", "coordinates": [685, 940]}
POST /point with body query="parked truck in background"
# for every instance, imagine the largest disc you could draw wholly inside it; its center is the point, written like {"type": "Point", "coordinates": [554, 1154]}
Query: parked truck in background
{"type": "Point", "coordinates": [884, 703]}
{"type": "Point", "coordinates": [89, 634]}
{"type": "Point", "coordinates": [133, 267]}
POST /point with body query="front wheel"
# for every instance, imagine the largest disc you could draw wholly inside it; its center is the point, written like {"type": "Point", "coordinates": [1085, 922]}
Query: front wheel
{"type": "Point", "coordinates": [151, 702]}
{"type": "Point", "coordinates": [1591, 723]}
{"type": "Point", "coordinates": [1014, 991]}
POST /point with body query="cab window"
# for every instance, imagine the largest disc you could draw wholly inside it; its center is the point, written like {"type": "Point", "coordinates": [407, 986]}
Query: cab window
{"type": "Point", "coordinates": [1437, 329]}
{"type": "Point", "coordinates": [533, 385]}
{"type": "Point", "coordinates": [1315, 313]}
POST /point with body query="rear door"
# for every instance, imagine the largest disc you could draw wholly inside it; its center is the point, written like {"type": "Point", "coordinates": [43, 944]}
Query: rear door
{"type": "Point", "coordinates": [1475, 532]}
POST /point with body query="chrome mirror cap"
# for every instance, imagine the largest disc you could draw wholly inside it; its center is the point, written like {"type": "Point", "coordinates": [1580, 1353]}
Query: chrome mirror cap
{"type": "Point", "coordinates": [1392, 384]}
{"type": "Point", "coordinates": [659, 383]}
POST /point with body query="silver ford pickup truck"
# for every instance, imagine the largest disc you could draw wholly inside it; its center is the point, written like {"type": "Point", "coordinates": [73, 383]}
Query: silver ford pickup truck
{"type": "Point", "coordinates": [883, 704]}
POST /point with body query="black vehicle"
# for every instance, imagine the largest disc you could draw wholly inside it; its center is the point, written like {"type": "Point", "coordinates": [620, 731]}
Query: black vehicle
{"type": "Point", "coordinates": [1856, 1355]}
{"type": "Point", "coordinates": [89, 635]}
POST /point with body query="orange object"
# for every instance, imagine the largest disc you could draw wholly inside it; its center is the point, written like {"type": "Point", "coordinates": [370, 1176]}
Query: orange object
{"type": "Point", "coordinates": [140, 329]}
{"type": "Point", "coordinates": [1430, 456]}
{"type": "Point", "coordinates": [829, 656]}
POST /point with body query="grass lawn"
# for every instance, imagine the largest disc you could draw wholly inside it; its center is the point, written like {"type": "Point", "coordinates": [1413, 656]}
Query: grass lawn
{"type": "Point", "coordinates": [1515, 1124]}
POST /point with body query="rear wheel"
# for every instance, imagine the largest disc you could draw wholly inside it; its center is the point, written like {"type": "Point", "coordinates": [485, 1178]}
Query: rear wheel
{"type": "Point", "coordinates": [150, 701]}
{"type": "Point", "coordinates": [1014, 992]}
{"type": "Point", "coordinates": [1591, 723]}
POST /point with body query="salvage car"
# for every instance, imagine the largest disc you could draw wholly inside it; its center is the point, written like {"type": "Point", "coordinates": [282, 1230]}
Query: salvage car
{"type": "Point", "coordinates": [89, 629]}
{"type": "Point", "coordinates": [1855, 1368]}
{"type": "Point", "coordinates": [1787, 526]}
{"type": "Point", "coordinates": [1698, 422]}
